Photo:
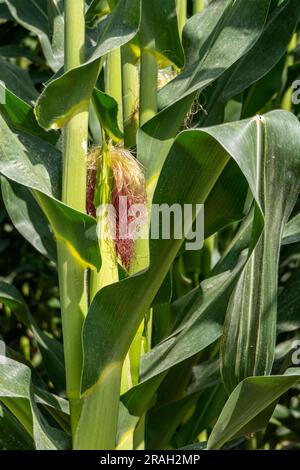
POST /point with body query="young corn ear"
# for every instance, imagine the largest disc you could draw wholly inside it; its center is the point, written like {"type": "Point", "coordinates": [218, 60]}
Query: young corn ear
{"type": "Point", "coordinates": [129, 184]}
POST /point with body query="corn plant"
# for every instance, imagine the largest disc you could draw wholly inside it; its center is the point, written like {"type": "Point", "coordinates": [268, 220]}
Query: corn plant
{"type": "Point", "coordinates": [158, 103]}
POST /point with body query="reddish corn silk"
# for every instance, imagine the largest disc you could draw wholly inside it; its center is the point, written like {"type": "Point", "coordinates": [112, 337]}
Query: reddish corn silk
{"type": "Point", "coordinates": [129, 183]}
{"type": "Point", "coordinates": [90, 192]}
{"type": "Point", "coordinates": [91, 183]}
{"type": "Point", "coordinates": [129, 186]}
{"type": "Point", "coordinates": [124, 245]}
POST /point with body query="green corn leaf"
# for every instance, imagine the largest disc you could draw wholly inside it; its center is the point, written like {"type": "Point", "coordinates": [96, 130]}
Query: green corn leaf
{"type": "Point", "coordinates": [205, 313]}
{"type": "Point", "coordinates": [203, 445]}
{"type": "Point", "coordinates": [197, 34]}
{"type": "Point", "coordinates": [45, 18]}
{"type": "Point", "coordinates": [12, 434]}
{"type": "Point", "coordinates": [207, 410]}
{"type": "Point", "coordinates": [243, 21]}
{"type": "Point", "coordinates": [248, 341]}
{"type": "Point", "coordinates": [201, 313]}
{"type": "Point", "coordinates": [17, 80]}
{"type": "Point", "coordinates": [205, 375]}
{"type": "Point", "coordinates": [31, 162]}
{"type": "Point", "coordinates": [164, 294]}
{"type": "Point", "coordinates": [159, 31]}
{"type": "Point", "coordinates": [28, 218]}
{"type": "Point", "coordinates": [50, 400]}
{"type": "Point", "coordinates": [107, 111]}
{"type": "Point", "coordinates": [261, 58]}
{"type": "Point", "coordinates": [165, 418]}
{"type": "Point", "coordinates": [288, 305]}
{"type": "Point", "coordinates": [163, 421]}
{"type": "Point", "coordinates": [126, 427]}
{"type": "Point", "coordinates": [76, 86]}
{"type": "Point", "coordinates": [213, 31]}
{"type": "Point", "coordinates": [20, 116]}
{"type": "Point", "coordinates": [228, 201]}
{"type": "Point", "coordinates": [82, 244]}
{"type": "Point", "coordinates": [156, 138]}
{"type": "Point", "coordinates": [263, 91]}
{"type": "Point", "coordinates": [57, 407]}
{"type": "Point", "coordinates": [96, 10]}
{"type": "Point", "coordinates": [292, 231]}
{"type": "Point", "coordinates": [17, 396]}
{"type": "Point", "coordinates": [142, 396]}
{"type": "Point", "coordinates": [249, 407]}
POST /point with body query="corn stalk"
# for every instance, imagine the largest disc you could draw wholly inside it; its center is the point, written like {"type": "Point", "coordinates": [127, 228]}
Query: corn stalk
{"type": "Point", "coordinates": [71, 273]}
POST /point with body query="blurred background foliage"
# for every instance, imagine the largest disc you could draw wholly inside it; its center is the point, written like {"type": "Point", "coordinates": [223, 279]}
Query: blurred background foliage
{"type": "Point", "coordinates": [20, 264]}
